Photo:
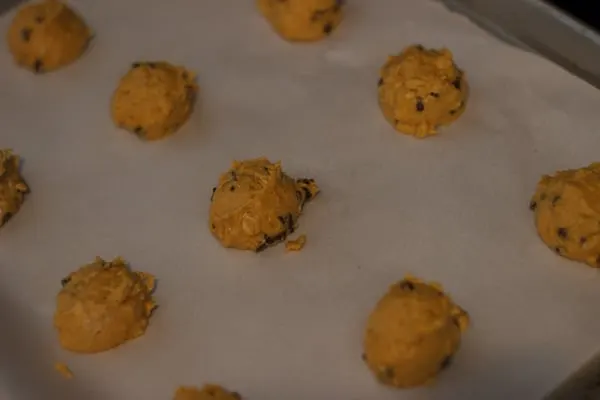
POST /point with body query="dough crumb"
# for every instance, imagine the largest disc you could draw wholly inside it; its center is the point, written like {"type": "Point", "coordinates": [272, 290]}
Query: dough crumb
{"type": "Point", "coordinates": [154, 99]}
{"type": "Point", "coordinates": [296, 244]}
{"type": "Point", "coordinates": [64, 370]}
{"type": "Point", "coordinates": [566, 213]}
{"type": "Point", "coordinates": [301, 20]}
{"type": "Point", "coordinates": [12, 186]}
{"type": "Point", "coordinates": [413, 333]}
{"type": "Point", "coordinates": [103, 305]}
{"type": "Point", "coordinates": [422, 89]}
{"type": "Point", "coordinates": [46, 36]}
{"type": "Point", "coordinates": [255, 205]}
{"type": "Point", "coordinates": [208, 392]}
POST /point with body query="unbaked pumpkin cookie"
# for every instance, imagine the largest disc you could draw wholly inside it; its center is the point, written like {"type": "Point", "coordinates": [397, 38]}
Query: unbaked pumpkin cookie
{"type": "Point", "coordinates": [422, 89]}
{"type": "Point", "coordinates": [46, 36]}
{"type": "Point", "coordinates": [412, 333]}
{"type": "Point", "coordinates": [302, 20]}
{"type": "Point", "coordinates": [208, 392]}
{"type": "Point", "coordinates": [103, 305]}
{"type": "Point", "coordinates": [256, 205]}
{"type": "Point", "coordinates": [566, 208]}
{"type": "Point", "coordinates": [12, 186]}
{"type": "Point", "coordinates": [154, 99]}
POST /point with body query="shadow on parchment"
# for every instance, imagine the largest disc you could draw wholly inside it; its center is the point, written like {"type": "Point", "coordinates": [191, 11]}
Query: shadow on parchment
{"type": "Point", "coordinates": [27, 361]}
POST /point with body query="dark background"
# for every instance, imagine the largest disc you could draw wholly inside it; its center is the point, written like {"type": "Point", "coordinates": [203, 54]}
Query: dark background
{"type": "Point", "coordinates": [583, 10]}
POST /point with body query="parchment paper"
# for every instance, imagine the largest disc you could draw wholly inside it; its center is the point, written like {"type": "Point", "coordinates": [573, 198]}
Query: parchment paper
{"type": "Point", "coordinates": [275, 326]}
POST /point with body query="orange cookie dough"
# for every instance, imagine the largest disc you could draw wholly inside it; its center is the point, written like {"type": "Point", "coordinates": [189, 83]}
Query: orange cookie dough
{"type": "Point", "coordinates": [412, 333]}
{"type": "Point", "coordinates": [256, 205]}
{"type": "Point", "coordinates": [103, 305]}
{"type": "Point", "coordinates": [421, 90]}
{"type": "Point", "coordinates": [208, 392]}
{"type": "Point", "coordinates": [46, 36]}
{"type": "Point", "coordinates": [566, 206]}
{"type": "Point", "coordinates": [12, 186]}
{"type": "Point", "coordinates": [154, 99]}
{"type": "Point", "coordinates": [302, 20]}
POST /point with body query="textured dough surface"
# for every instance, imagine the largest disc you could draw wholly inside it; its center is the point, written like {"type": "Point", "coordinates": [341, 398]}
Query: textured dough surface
{"type": "Point", "coordinates": [12, 186]}
{"type": "Point", "coordinates": [421, 89]}
{"type": "Point", "coordinates": [412, 333]}
{"type": "Point", "coordinates": [102, 305]}
{"type": "Point", "coordinates": [302, 20]}
{"type": "Point", "coordinates": [46, 36]}
{"type": "Point", "coordinates": [208, 392]}
{"type": "Point", "coordinates": [256, 205]}
{"type": "Point", "coordinates": [154, 99]}
{"type": "Point", "coordinates": [567, 213]}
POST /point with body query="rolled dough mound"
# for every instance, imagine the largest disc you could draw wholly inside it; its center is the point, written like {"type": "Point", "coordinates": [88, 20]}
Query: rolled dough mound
{"type": "Point", "coordinates": [420, 90]}
{"type": "Point", "coordinates": [102, 305]}
{"type": "Point", "coordinates": [154, 99]}
{"type": "Point", "coordinates": [46, 36]}
{"type": "Point", "coordinates": [208, 392]}
{"type": "Point", "coordinates": [412, 333]}
{"type": "Point", "coordinates": [302, 20]}
{"type": "Point", "coordinates": [12, 186]}
{"type": "Point", "coordinates": [256, 205]}
{"type": "Point", "coordinates": [567, 213]}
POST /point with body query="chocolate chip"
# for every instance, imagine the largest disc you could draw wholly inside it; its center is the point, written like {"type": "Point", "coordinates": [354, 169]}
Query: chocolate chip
{"type": "Point", "coordinates": [213, 226]}
{"type": "Point", "coordinates": [26, 34]}
{"type": "Point", "coordinates": [434, 94]}
{"type": "Point", "coordinates": [452, 112]}
{"type": "Point", "coordinates": [136, 65]}
{"type": "Point", "coordinates": [234, 175]}
{"type": "Point", "coordinates": [389, 372]}
{"type": "Point", "coordinates": [307, 194]}
{"type": "Point", "coordinates": [6, 216]}
{"type": "Point", "coordinates": [236, 395]}
{"type": "Point", "coordinates": [39, 20]}
{"type": "Point", "coordinates": [66, 280]}
{"type": "Point", "coordinates": [298, 195]}
{"type": "Point", "coordinates": [151, 65]}
{"type": "Point", "coordinates": [269, 240]}
{"type": "Point", "coordinates": [407, 285]}
{"type": "Point", "coordinates": [290, 221]}
{"type": "Point", "coordinates": [282, 220]}
{"type": "Point", "coordinates": [213, 193]}
{"type": "Point", "coordinates": [555, 200]}
{"type": "Point", "coordinates": [363, 356]}
{"type": "Point", "coordinates": [38, 65]}
{"type": "Point", "coordinates": [261, 247]}
{"type": "Point", "coordinates": [582, 240]}
{"type": "Point", "coordinates": [232, 189]}
{"type": "Point", "coordinates": [557, 250]}
{"type": "Point", "coordinates": [138, 130]}
{"type": "Point", "coordinates": [380, 82]}
{"type": "Point", "coordinates": [562, 233]}
{"type": "Point", "coordinates": [327, 29]}
{"type": "Point", "coordinates": [446, 362]}
{"type": "Point", "coordinates": [532, 205]}
{"type": "Point", "coordinates": [457, 83]}
{"type": "Point", "coordinates": [420, 105]}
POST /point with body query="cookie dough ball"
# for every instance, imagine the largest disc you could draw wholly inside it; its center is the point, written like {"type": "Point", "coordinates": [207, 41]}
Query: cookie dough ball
{"type": "Point", "coordinates": [102, 305]}
{"type": "Point", "coordinates": [12, 186]}
{"type": "Point", "coordinates": [566, 206]}
{"type": "Point", "coordinates": [302, 20]}
{"type": "Point", "coordinates": [420, 90]}
{"type": "Point", "coordinates": [46, 36]}
{"type": "Point", "coordinates": [154, 99]}
{"type": "Point", "coordinates": [412, 333]}
{"type": "Point", "coordinates": [208, 392]}
{"type": "Point", "coordinates": [256, 205]}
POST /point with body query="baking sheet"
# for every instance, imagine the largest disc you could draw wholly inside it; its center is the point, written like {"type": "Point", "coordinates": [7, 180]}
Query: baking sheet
{"type": "Point", "coordinates": [453, 208]}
